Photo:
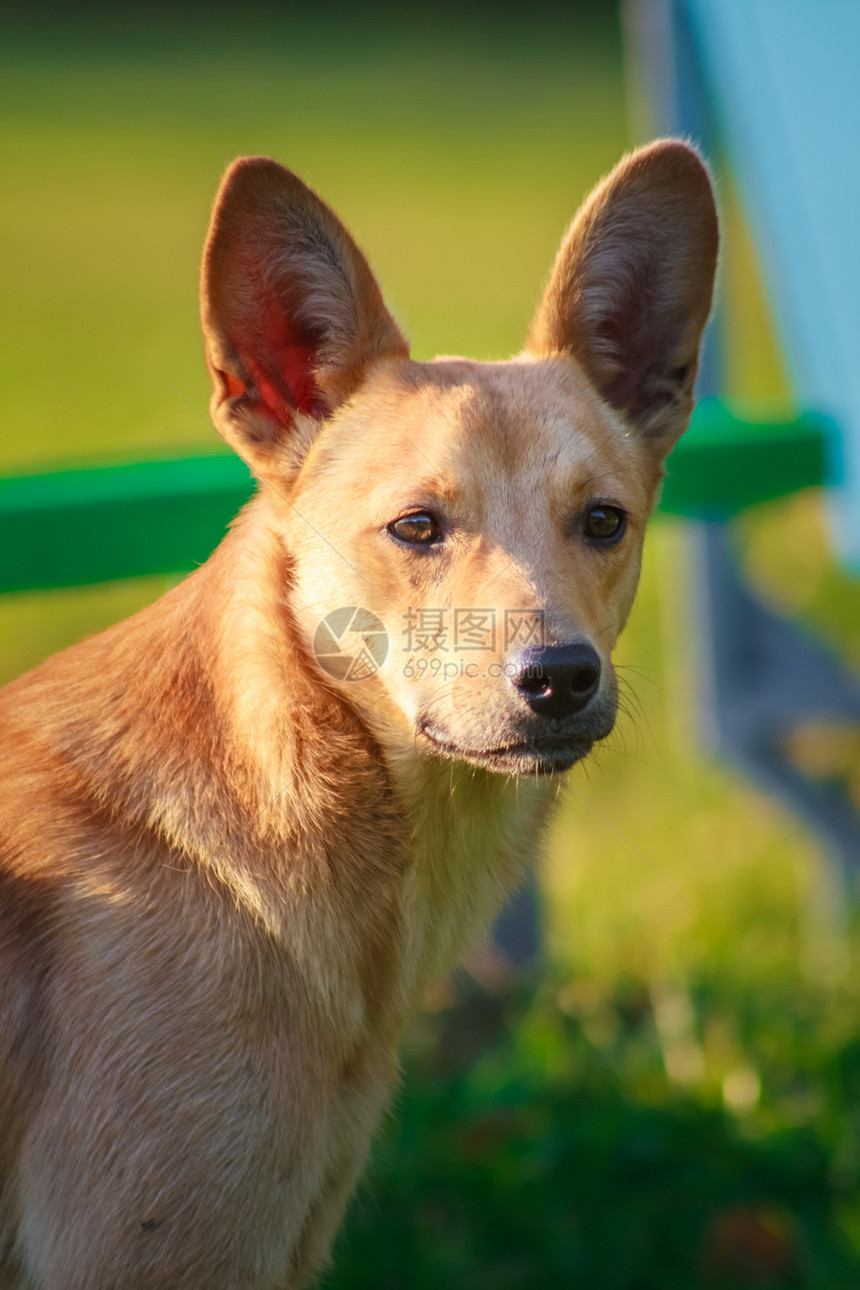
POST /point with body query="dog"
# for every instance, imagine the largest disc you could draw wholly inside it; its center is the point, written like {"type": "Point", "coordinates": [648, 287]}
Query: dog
{"type": "Point", "coordinates": [244, 831]}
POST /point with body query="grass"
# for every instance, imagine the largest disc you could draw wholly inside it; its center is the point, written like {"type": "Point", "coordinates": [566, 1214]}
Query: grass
{"type": "Point", "coordinates": [675, 1104]}
{"type": "Point", "coordinates": [550, 1152]}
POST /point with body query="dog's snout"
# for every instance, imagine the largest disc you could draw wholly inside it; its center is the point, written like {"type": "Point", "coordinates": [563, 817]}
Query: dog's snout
{"type": "Point", "coordinates": [558, 680]}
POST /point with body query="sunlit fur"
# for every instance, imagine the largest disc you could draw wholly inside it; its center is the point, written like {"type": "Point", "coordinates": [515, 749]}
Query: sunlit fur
{"type": "Point", "coordinates": [227, 878]}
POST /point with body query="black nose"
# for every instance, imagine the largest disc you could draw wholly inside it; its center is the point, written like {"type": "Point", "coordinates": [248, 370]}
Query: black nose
{"type": "Point", "coordinates": [556, 681]}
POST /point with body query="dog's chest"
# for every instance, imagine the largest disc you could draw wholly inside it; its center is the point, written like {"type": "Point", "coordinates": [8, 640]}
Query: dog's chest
{"type": "Point", "coordinates": [474, 836]}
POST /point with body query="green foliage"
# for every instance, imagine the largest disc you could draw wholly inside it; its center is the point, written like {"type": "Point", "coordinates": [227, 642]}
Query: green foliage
{"type": "Point", "coordinates": [555, 1160]}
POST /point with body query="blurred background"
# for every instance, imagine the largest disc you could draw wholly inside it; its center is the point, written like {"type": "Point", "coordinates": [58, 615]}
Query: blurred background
{"type": "Point", "coordinates": [669, 1094]}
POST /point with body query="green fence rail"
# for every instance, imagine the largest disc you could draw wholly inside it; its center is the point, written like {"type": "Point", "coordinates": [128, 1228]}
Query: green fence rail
{"type": "Point", "coordinates": [96, 524]}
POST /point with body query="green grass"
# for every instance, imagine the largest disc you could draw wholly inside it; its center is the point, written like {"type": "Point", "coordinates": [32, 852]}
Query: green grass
{"type": "Point", "coordinates": [545, 1148]}
{"type": "Point", "coordinates": [677, 1104]}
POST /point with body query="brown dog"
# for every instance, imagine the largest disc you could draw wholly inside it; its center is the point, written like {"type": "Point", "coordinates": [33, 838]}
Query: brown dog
{"type": "Point", "coordinates": [244, 830]}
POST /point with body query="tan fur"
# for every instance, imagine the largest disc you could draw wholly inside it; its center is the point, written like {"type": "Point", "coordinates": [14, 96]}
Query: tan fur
{"type": "Point", "coordinates": [228, 877]}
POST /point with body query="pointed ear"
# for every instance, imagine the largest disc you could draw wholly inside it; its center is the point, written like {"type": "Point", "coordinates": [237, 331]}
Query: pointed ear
{"type": "Point", "coordinates": [292, 316]}
{"type": "Point", "coordinates": [631, 288]}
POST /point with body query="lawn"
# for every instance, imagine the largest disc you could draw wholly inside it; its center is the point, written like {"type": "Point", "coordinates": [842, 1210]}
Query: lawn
{"type": "Point", "coordinates": [673, 1099]}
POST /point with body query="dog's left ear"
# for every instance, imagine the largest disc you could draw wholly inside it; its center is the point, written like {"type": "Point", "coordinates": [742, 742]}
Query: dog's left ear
{"type": "Point", "coordinates": [292, 316]}
{"type": "Point", "coordinates": [631, 288]}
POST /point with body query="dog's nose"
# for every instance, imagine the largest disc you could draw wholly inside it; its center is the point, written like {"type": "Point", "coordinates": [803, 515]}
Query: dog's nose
{"type": "Point", "coordinates": [556, 681]}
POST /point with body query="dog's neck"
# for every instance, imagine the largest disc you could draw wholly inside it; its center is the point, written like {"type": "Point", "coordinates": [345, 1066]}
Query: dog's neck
{"type": "Point", "coordinates": [474, 835]}
{"type": "Point", "coordinates": [460, 838]}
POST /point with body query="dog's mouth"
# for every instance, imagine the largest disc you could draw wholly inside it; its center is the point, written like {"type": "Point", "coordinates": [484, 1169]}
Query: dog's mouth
{"type": "Point", "coordinates": [541, 755]}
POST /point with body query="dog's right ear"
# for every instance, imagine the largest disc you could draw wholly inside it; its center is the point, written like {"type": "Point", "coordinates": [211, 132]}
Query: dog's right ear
{"type": "Point", "coordinates": [292, 316]}
{"type": "Point", "coordinates": [631, 288]}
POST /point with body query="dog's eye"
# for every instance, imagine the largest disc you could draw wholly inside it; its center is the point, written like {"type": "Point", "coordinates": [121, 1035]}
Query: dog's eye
{"type": "Point", "coordinates": [605, 523]}
{"type": "Point", "coordinates": [419, 529]}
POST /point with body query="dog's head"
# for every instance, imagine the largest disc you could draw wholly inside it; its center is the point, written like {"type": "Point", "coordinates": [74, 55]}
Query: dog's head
{"type": "Point", "coordinates": [464, 537]}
